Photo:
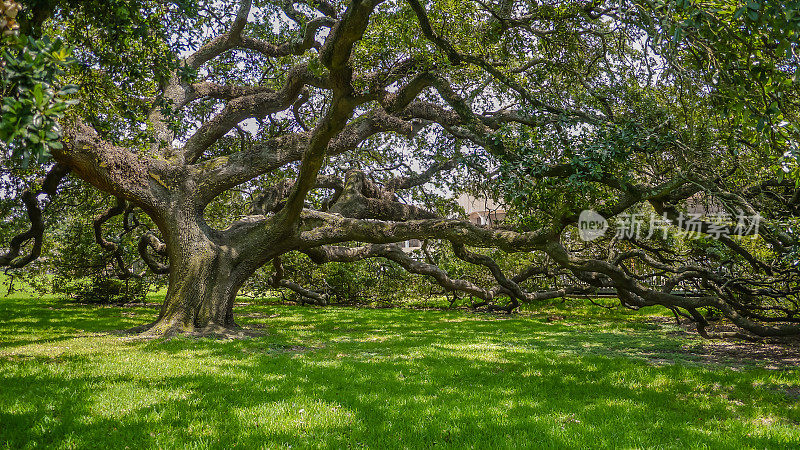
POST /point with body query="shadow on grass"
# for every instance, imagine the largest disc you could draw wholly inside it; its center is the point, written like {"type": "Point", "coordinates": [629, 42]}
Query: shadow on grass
{"type": "Point", "coordinates": [333, 378]}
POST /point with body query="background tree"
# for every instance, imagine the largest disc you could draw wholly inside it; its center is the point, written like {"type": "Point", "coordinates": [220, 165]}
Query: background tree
{"type": "Point", "coordinates": [246, 131]}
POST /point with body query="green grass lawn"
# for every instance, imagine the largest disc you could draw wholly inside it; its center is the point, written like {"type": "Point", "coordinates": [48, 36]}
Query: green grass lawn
{"type": "Point", "coordinates": [380, 378]}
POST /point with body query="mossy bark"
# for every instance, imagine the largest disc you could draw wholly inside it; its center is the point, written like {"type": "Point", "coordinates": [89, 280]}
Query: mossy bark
{"type": "Point", "coordinates": [203, 280]}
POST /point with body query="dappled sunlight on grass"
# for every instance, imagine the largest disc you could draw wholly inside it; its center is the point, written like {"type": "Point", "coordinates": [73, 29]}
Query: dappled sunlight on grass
{"type": "Point", "coordinates": [383, 378]}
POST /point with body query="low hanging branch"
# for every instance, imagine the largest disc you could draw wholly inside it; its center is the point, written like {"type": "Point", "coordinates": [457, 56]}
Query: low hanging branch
{"type": "Point", "coordinates": [325, 254]}
{"type": "Point", "coordinates": [277, 280]}
{"type": "Point", "coordinates": [150, 241]}
{"type": "Point", "coordinates": [120, 207]}
{"type": "Point", "coordinates": [13, 258]}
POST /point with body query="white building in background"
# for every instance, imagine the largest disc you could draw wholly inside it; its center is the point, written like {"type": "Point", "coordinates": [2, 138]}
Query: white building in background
{"type": "Point", "coordinates": [411, 245]}
{"type": "Point", "coordinates": [481, 212]}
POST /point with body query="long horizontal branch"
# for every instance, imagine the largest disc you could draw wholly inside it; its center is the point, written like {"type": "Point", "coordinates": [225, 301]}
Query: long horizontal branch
{"type": "Point", "coordinates": [325, 254]}
{"type": "Point", "coordinates": [646, 295]}
{"type": "Point", "coordinates": [325, 228]}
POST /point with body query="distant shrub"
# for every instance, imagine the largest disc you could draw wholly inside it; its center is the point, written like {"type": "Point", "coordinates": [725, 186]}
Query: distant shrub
{"type": "Point", "coordinates": [103, 289]}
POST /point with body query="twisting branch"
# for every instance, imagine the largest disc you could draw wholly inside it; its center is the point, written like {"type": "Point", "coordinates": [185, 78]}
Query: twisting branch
{"type": "Point", "coordinates": [325, 254]}
{"type": "Point", "coordinates": [511, 286]}
{"type": "Point", "coordinates": [362, 199]}
{"type": "Point", "coordinates": [149, 240]}
{"type": "Point", "coordinates": [307, 295]}
{"type": "Point", "coordinates": [12, 258]}
{"type": "Point", "coordinates": [392, 252]}
{"type": "Point", "coordinates": [258, 104]}
{"type": "Point", "coordinates": [306, 42]}
{"type": "Point", "coordinates": [223, 42]}
{"type": "Point", "coordinates": [97, 225]}
{"type": "Point", "coordinates": [113, 248]}
{"type": "Point", "coordinates": [642, 295]}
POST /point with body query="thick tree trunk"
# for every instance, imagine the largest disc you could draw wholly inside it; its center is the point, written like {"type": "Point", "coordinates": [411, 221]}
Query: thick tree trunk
{"type": "Point", "coordinates": [201, 293]}
{"type": "Point", "coordinates": [203, 282]}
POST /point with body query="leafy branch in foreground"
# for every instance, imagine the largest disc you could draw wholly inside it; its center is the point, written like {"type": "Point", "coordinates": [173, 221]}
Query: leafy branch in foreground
{"type": "Point", "coordinates": [33, 101]}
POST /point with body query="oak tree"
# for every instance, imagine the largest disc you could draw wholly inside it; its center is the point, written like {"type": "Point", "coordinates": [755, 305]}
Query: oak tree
{"type": "Point", "coordinates": [248, 130]}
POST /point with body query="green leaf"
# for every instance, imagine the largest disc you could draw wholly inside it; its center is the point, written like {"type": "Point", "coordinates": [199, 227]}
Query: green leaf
{"type": "Point", "coordinates": [38, 95]}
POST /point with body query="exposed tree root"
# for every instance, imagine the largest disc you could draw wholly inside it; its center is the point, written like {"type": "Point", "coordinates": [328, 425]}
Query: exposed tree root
{"type": "Point", "coordinates": [160, 330]}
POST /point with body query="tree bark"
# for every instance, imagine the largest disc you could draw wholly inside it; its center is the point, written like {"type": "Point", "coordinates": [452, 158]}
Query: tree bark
{"type": "Point", "coordinates": [203, 279]}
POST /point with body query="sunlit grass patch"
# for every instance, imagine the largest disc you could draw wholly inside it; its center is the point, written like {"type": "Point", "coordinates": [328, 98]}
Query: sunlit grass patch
{"type": "Point", "coordinates": [379, 378]}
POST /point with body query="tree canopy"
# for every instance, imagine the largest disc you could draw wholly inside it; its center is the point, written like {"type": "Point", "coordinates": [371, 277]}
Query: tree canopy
{"type": "Point", "coordinates": [232, 135]}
